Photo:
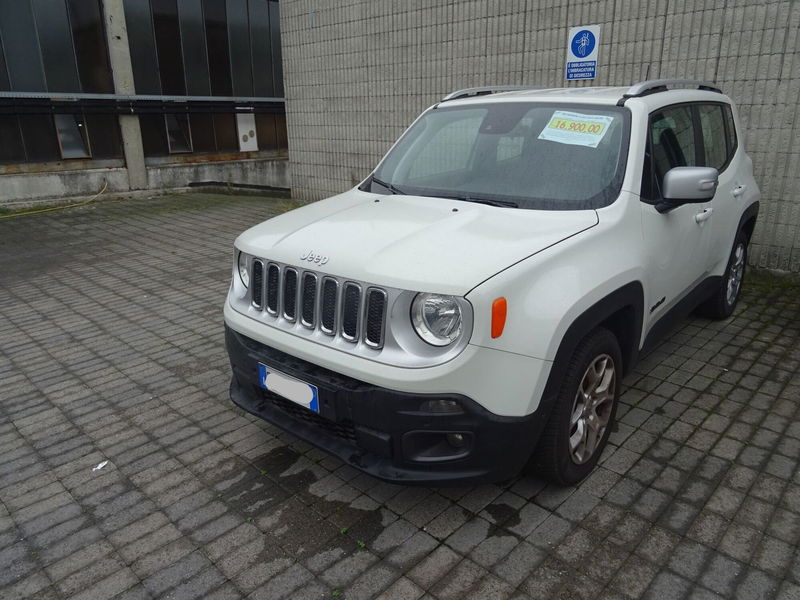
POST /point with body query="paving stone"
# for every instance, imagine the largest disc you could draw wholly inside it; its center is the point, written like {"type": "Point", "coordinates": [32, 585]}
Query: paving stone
{"type": "Point", "coordinates": [284, 584]}
{"type": "Point", "coordinates": [402, 589]}
{"type": "Point", "coordinates": [347, 569]}
{"type": "Point", "coordinates": [721, 574]}
{"type": "Point", "coordinates": [434, 567]}
{"type": "Point", "coordinates": [459, 582]}
{"type": "Point", "coordinates": [412, 551]}
{"type": "Point", "coordinates": [667, 586]}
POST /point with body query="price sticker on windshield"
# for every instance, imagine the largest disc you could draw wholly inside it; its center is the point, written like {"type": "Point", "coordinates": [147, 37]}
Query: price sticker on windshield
{"type": "Point", "coordinates": [576, 128]}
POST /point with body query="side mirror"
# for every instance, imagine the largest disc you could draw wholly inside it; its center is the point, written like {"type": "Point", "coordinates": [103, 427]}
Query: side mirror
{"type": "Point", "coordinates": [686, 185]}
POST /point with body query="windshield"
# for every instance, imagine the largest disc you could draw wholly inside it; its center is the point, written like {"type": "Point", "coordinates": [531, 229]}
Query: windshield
{"type": "Point", "coordinates": [535, 156]}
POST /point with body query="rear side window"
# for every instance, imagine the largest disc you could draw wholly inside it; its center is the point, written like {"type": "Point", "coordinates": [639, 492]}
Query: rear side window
{"type": "Point", "coordinates": [733, 142]}
{"type": "Point", "coordinates": [712, 122]}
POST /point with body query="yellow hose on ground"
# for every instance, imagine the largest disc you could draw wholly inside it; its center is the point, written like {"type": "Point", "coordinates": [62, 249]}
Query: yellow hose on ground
{"type": "Point", "coordinates": [41, 210]}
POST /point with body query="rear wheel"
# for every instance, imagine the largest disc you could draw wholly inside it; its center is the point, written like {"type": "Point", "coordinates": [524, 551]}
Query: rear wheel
{"type": "Point", "coordinates": [583, 415]}
{"type": "Point", "coordinates": [722, 303]}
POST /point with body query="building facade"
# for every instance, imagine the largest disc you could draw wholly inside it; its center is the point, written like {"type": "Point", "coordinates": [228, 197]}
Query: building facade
{"type": "Point", "coordinates": [139, 94]}
{"type": "Point", "coordinates": [357, 72]}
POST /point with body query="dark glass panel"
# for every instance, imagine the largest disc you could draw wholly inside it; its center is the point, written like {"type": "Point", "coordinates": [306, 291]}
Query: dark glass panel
{"type": "Point", "coordinates": [39, 137]}
{"type": "Point", "coordinates": [283, 137]}
{"type": "Point", "coordinates": [11, 148]}
{"type": "Point", "coordinates": [18, 30]}
{"type": "Point", "coordinates": [275, 39]}
{"type": "Point", "coordinates": [225, 131]}
{"type": "Point", "coordinates": [193, 41]}
{"type": "Point", "coordinates": [263, 84]}
{"type": "Point", "coordinates": [104, 136]}
{"type": "Point", "coordinates": [239, 36]}
{"type": "Point", "coordinates": [55, 41]}
{"type": "Point", "coordinates": [267, 135]}
{"type": "Point", "coordinates": [219, 62]}
{"type": "Point", "coordinates": [154, 135]}
{"type": "Point", "coordinates": [5, 86]}
{"type": "Point", "coordinates": [91, 49]}
{"type": "Point", "coordinates": [168, 45]}
{"type": "Point", "coordinates": [72, 136]}
{"type": "Point", "coordinates": [142, 43]}
{"type": "Point", "coordinates": [178, 134]}
{"type": "Point", "coordinates": [202, 133]}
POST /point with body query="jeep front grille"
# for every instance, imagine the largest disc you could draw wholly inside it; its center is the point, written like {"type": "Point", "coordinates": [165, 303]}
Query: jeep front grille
{"type": "Point", "coordinates": [339, 308]}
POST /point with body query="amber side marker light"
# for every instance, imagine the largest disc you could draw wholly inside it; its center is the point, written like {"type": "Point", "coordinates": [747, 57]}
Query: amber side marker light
{"type": "Point", "coordinates": [499, 310]}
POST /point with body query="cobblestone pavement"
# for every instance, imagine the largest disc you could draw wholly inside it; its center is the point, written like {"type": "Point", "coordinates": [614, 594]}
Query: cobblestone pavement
{"type": "Point", "coordinates": [111, 349]}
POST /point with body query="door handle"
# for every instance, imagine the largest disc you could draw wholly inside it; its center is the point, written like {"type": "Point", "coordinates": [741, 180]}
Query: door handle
{"type": "Point", "coordinates": [738, 190]}
{"type": "Point", "coordinates": [703, 216]}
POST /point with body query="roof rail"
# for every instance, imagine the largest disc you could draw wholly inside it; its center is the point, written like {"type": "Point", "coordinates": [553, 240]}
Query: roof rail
{"type": "Point", "coordinates": [652, 86]}
{"type": "Point", "coordinates": [492, 89]}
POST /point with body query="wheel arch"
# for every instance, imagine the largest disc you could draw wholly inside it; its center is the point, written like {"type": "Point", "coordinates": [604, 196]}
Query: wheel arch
{"type": "Point", "coordinates": [747, 223]}
{"type": "Point", "coordinates": [622, 312]}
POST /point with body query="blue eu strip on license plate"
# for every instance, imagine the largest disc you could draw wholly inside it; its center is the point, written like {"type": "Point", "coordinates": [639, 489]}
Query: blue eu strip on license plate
{"type": "Point", "coordinates": [297, 391]}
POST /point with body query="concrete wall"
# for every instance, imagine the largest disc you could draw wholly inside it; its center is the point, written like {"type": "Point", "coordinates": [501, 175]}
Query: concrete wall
{"type": "Point", "coordinates": [358, 71]}
{"type": "Point", "coordinates": [30, 188]}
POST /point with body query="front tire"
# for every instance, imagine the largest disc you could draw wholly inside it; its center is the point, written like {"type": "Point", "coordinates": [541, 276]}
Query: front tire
{"type": "Point", "coordinates": [723, 302]}
{"type": "Point", "coordinates": [584, 413]}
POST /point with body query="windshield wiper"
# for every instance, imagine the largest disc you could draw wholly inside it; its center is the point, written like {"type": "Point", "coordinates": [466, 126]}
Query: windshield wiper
{"type": "Point", "coordinates": [389, 186]}
{"type": "Point", "coordinates": [467, 198]}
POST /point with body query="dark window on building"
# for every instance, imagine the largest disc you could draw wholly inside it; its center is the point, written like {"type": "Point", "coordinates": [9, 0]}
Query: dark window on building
{"type": "Point", "coordinates": [179, 135]}
{"type": "Point", "coordinates": [267, 132]}
{"type": "Point", "coordinates": [225, 131]}
{"type": "Point", "coordinates": [91, 51]}
{"type": "Point", "coordinates": [55, 40]}
{"type": "Point", "coordinates": [39, 137]}
{"type": "Point", "coordinates": [11, 149]}
{"type": "Point", "coordinates": [219, 61]}
{"type": "Point", "coordinates": [168, 47]}
{"type": "Point", "coordinates": [205, 48]}
{"type": "Point", "coordinates": [154, 135]}
{"type": "Point", "coordinates": [73, 139]}
{"type": "Point", "coordinates": [275, 38]}
{"type": "Point", "coordinates": [193, 41]}
{"type": "Point", "coordinates": [202, 127]}
{"type": "Point", "coordinates": [54, 46]}
{"type": "Point", "coordinates": [239, 37]}
{"type": "Point", "coordinates": [141, 39]}
{"type": "Point", "coordinates": [261, 40]}
{"type": "Point", "coordinates": [24, 60]}
{"type": "Point", "coordinates": [4, 84]}
{"type": "Point", "coordinates": [104, 136]}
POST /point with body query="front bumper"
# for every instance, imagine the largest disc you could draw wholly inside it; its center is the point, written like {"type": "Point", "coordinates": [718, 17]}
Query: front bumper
{"type": "Point", "coordinates": [381, 431]}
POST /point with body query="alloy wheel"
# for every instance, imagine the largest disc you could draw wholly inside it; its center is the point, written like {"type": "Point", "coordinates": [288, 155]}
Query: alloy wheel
{"type": "Point", "coordinates": [592, 408]}
{"type": "Point", "coordinates": [735, 274]}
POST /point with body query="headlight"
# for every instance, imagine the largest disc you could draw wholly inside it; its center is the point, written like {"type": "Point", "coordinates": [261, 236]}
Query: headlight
{"type": "Point", "coordinates": [436, 318]}
{"type": "Point", "coordinates": [244, 274]}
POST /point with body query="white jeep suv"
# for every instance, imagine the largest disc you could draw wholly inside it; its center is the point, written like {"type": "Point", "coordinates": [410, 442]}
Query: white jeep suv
{"type": "Point", "coordinates": [472, 306]}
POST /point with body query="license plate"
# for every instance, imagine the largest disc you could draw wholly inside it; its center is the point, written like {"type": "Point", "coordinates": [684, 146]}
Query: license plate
{"type": "Point", "coordinates": [297, 391]}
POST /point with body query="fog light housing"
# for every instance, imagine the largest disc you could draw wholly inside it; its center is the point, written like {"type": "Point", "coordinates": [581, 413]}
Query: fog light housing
{"type": "Point", "coordinates": [441, 406]}
{"type": "Point", "coordinates": [456, 440]}
{"type": "Point", "coordinates": [436, 446]}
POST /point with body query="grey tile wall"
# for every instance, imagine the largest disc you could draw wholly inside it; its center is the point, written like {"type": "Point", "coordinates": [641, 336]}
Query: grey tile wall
{"type": "Point", "coordinates": [357, 72]}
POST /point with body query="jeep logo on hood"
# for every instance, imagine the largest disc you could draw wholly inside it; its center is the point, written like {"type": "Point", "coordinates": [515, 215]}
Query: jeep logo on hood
{"type": "Point", "coordinates": [314, 258]}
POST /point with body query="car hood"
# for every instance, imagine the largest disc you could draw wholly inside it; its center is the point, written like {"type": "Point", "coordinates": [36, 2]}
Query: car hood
{"type": "Point", "coordinates": [410, 242]}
